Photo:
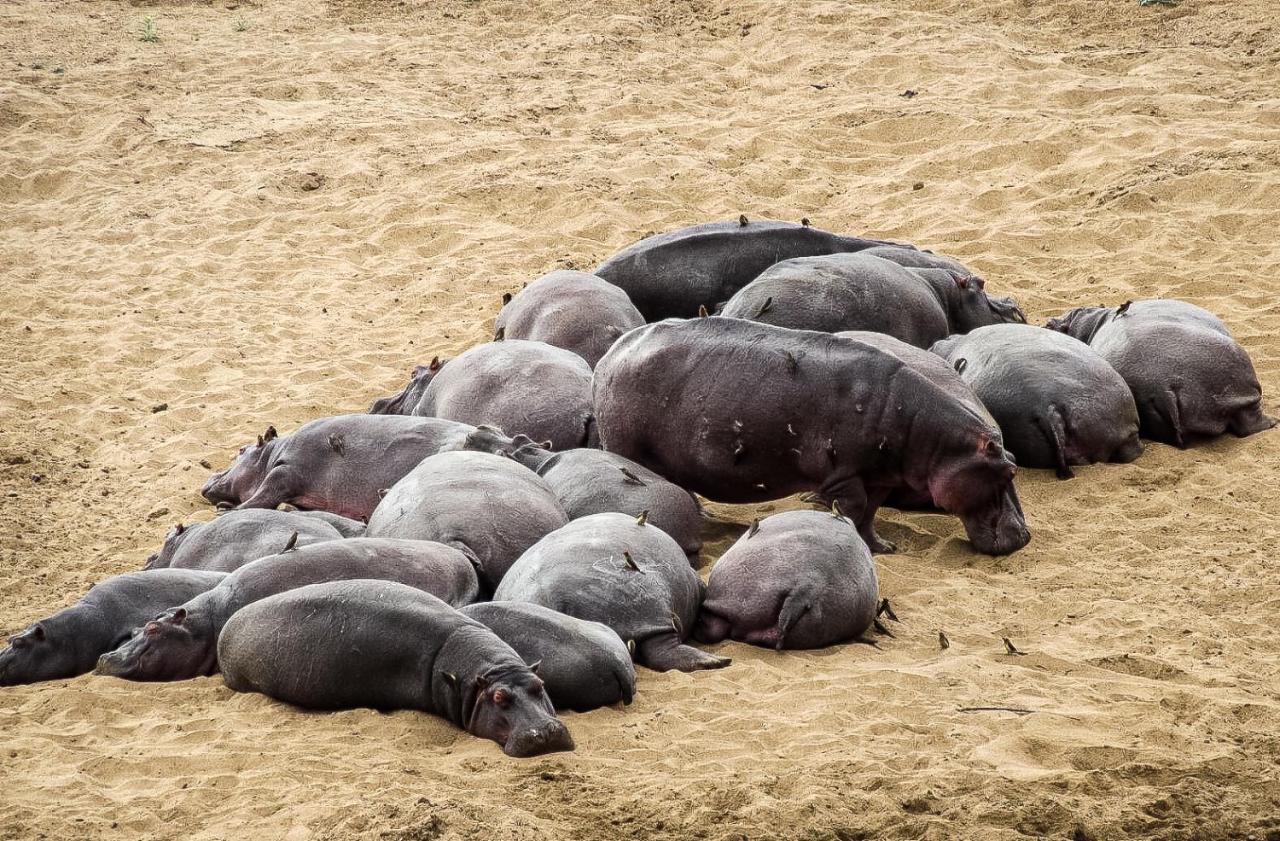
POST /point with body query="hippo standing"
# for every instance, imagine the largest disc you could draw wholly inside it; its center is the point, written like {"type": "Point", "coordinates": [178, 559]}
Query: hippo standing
{"type": "Point", "coordinates": [518, 386]}
{"type": "Point", "coordinates": [576, 311]}
{"type": "Point", "coordinates": [486, 505]}
{"type": "Point", "coordinates": [842, 292]}
{"type": "Point", "coordinates": [745, 412]}
{"type": "Point", "coordinates": [181, 642]}
{"type": "Point", "coordinates": [1190, 379]}
{"type": "Point", "coordinates": [1057, 402]}
{"type": "Point", "coordinates": [235, 538]}
{"type": "Point", "coordinates": [69, 642]}
{"type": "Point", "coordinates": [337, 464]}
{"type": "Point", "coordinates": [383, 645]}
{"type": "Point", "coordinates": [585, 665]}
{"type": "Point", "coordinates": [621, 572]}
{"type": "Point", "coordinates": [800, 579]}
{"type": "Point", "coordinates": [673, 274]}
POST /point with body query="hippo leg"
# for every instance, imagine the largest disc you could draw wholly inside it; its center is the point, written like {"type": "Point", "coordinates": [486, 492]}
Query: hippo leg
{"type": "Point", "coordinates": [1249, 420]}
{"type": "Point", "coordinates": [860, 506]}
{"type": "Point", "coordinates": [1054, 430]}
{"type": "Point", "coordinates": [664, 653]}
{"type": "Point", "coordinates": [279, 485]}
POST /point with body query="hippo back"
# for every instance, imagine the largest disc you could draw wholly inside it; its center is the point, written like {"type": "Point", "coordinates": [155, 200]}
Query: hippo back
{"type": "Point", "coordinates": [572, 310]}
{"type": "Point", "coordinates": [235, 538]}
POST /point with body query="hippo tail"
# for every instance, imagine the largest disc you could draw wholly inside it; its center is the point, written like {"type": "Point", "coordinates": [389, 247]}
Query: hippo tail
{"type": "Point", "coordinates": [1054, 429]}
{"type": "Point", "coordinates": [590, 434]}
{"type": "Point", "coordinates": [794, 608]}
{"type": "Point", "coordinates": [665, 653]}
{"type": "Point", "coordinates": [1167, 406]}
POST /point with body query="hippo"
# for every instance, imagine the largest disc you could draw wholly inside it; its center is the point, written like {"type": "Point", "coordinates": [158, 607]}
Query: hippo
{"type": "Point", "coordinates": [181, 642]}
{"type": "Point", "coordinates": [69, 642]}
{"type": "Point", "coordinates": [673, 274]}
{"type": "Point", "coordinates": [488, 506]}
{"type": "Point", "coordinates": [404, 401]}
{"type": "Point", "coordinates": [337, 464]}
{"type": "Point", "coordinates": [383, 645]}
{"type": "Point", "coordinates": [842, 292]}
{"type": "Point", "coordinates": [622, 572]}
{"type": "Point", "coordinates": [236, 538]}
{"type": "Point", "coordinates": [1190, 379]}
{"type": "Point", "coordinates": [585, 665]}
{"type": "Point", "coordinates": [576, 311]}
{"type": "Point", "coordinates": [346, 526]}
{"type": "Point", "coordinates": [918, 258]}
{"type": "Point", "coordinates": [517, 385]}
{"type": "Point", "coordinates": [1057, 402]}
{"type": "Point", "coordinates": [800, 579]}
{"type": "Point", "coordinates": [589, 481]}
{"type": "Point", "coordinates": [744, 412]}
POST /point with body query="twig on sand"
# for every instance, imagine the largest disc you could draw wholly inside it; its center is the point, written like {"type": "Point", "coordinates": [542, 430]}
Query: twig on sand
{"type": "Point", "coordinates": [1018, 710]}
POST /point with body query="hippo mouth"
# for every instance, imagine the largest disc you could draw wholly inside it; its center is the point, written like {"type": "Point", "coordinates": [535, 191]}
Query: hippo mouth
{"type": "Point", "coordinates": [214, 492]}
{"type": "Point", "coordinates": [551, 737]}
{"type": "Point", "coordinates": [1001, 531]}
{"type": "Point", "coordinates": [117, 663]}
{"type": "Point", "coordinates": [1007, 310]}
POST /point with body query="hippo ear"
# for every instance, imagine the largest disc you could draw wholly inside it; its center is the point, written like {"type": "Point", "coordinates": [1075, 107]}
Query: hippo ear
{"type": "Point", "coordinates": [506, 298]}
{"type": "Point", "coordinates": [961, 281]}
{"type": "Point", "coordinates": [179, 616]}
{"type": "Point", "coordinates": [38, 633]}
{"type": "Point", "coordinates": [435, 365]}
{"type": "Point", "coordinates": [451, 679]}
{"type": "Point", "coordinates": [259, 442]}
{"type": "Point", "coordinates": [533, 667]}
{"type": "Point", "coordinates": [482, 683]}
{"type": "Point", "coordinates": [179, 528]}
{"type": "Point", "coordinates": [500, 334]}
{"type": "Point", "coordinates": [270, 434]}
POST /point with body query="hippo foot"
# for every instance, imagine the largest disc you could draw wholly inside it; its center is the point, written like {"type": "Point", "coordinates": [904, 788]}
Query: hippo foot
{"type": "Point", "coordinates": [877, 544]}
{"type": "Point", "coordinates": [711, 628]}
{"type": "Point", "coordinates": [665, 654]}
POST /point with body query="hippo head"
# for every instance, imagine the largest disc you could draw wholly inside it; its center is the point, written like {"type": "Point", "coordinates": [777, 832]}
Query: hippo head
{"type": "Point", "coordinates": [1081, 323]}
{"type": "Point", "coordinates": [512, 708]}
{"type": "Point", "coordinates": [406, 401]}
{"type": "Point", "coordinates": [174, 646]}
{"type": "Point", "coordinates": [239, 481]}
{"type": "Point", "coordinates": [38, 653]}
{"type": "Point", "coordinates": [976, 485]}
{"type": "Point", "coordinates": [164, 558]}
{"type": "Point", "coordinates": [971, 307]}
{"type": "Point", "coordinates": [521, 447]}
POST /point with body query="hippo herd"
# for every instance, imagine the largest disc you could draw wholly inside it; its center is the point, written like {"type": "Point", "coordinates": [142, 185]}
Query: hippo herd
{"type": "Point", "coordinates": [517, 527]}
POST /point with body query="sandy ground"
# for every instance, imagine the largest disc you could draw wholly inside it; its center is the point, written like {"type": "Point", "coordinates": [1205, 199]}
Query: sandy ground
{"type": "Point", "coordinates": [273, 212]}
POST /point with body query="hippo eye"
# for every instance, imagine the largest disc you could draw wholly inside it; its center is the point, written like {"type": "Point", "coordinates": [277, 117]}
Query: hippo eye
{"type": "Point", "coordinates": [501, 697]}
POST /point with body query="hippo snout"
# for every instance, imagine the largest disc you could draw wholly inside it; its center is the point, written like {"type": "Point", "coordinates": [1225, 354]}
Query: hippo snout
{"type": "Point", "coordinates": [549, 737]}
{"type": "Point", "coordinates": [214, 491]}
{"type": "Point", "coordinates": [113, 664]}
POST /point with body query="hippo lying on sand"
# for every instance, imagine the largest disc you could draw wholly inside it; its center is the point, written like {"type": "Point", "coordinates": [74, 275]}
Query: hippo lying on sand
{"type": "Point", "coordinates": [335, 464]}
{"type": "Point", "coordinates": [181, 642]}
{"type": "Point", "coordinates": [517, 386]}
{"type": "Point", "coordinates": [571, 310]}
{"type": "Point", "coordinates": [69, 642]}
{"type": "Point", "coordinates": [673, 274]}
{"type": "Point", "coordinates": [235, 538]}
{"type": "Point", "coordinates": [1057, 402]}
{"type": "Point", "coordinates": [631, 576]}
{"type": "Point", "coordinates": [918, 258]}
{"type": "Point", "coordinates": [387, 646]}
{"type": "Point", "coordinates": [584, 664]}
{"type": "Point", "coordinates": [860, 292]}
{"type": "Point", "coordinates": [800, 579]}
{"type": "Point", "coordinates": [488, 506]}
{"type": "Point", "coordinates": [745, 412]}
{"type": "Point", "coordinates": [1189, 378]}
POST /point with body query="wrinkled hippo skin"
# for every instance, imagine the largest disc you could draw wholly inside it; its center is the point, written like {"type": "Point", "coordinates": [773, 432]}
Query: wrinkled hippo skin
{"type": "Point", "coordinates": [585, 665]}
{"type": "Point", "coordinates": [799, 579]}
{"type": "Point", "coordinates": [235, 538]}
{"type": "Point", "coordinates": [743, 412]}
{"type": "Point", "coordinates": [346, 526]}
{"type": "Point", "coordinates": [337, 464]}
{"type": "Point", "coordinates": [1189, 378]}
{"type": "Point", "coordinates": [633, 577]}
{"type": "Point", "coordinates": [69, 642]}
{"type": "Point", "coordinates": [380, 644]}
{"type": "Point", "coordinates": [576, 311]}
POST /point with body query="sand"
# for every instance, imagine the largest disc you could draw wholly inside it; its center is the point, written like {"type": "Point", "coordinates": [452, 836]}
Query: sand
{"type": "Point", "coordinates": [272, 213]}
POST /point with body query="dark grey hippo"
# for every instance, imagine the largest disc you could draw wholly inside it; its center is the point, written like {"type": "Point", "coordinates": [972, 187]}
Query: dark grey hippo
{"type": "Point", "coordinates": [337, 464]}
{"type": "Point", "coordinates": [841, 292]}
{"type": "Point", "coordinates": [918, 258]}
{"type": "Point", "coordinates": [383, 645]}
{"type": "Point", "coordinates": [745, 412]}
{"type": "Point", "coordinates": [589, 481]}
{"type": "Point", "coordinates": [1057, 402]}
{"type": "Point", "coordinates": [576, 311]}
{"type": "Point", "coordinates": [69, 642]}
{"type": "Point", "coordinates": [631, 576]}
{"type": "Point", "coordinates": [518, 386]}
{"type": "Point", "coordinates": [675, 273]}
{"type": "Point", "coordinates": [235, 538]}
{"type": "Point", "coordinates": [585, 665]}
{"type": "Point", "coordinates": [1190, 379]}
{"type": "Point", "coordinates": [346, 526]}
{"type": "Point", "coordinates": [800, 579]}
{"type": "Point", "coordinates": [181, 642]}
{"type": "Point", "coordinates": [486, 505]}
{"type": "Point", "coordinates": [406, 400]}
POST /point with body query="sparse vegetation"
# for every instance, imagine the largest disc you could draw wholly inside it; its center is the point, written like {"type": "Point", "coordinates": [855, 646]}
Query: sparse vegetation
{"type": "Point", "coordinates": [147, 32]}
{"type": "Point", "coordinates": [242, 25]}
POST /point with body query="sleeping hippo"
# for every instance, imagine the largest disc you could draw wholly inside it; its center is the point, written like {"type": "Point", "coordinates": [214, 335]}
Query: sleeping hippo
{"type": "Point", "coordinates": [234, 539]}
{"type": "Point", "coordinates": [1190, 379]}
{"type": "Point", "coordinates": [800, 579]}
{"type": "Point", "coordinates": [69, 642]}
{"type": "Point", "coordinates": [335, 464]}
{"type": "Point", "coordinates": [744, 412]}
{"type": "Point", "coordinates": [589, 481]}
{"type": "Point", "coordinates": [518, 386]}
{"type": "Point", "coordinates": [406, 400]}
{"type": "Point", "coordinates": [842, 292]}
{"type": "Point", "coordinates": [675, 273]}
{"type": "Point", "coordinates": [181, 642]}
{"type": "Point", "coordinates": [621, 572]}
{"type": "Point", "coordinates": [576, 311]}
{"type": "Point", "coordinates": [380, 644]}
{"type": "Point", "coordinates": [1057, 402]}
{"type": "Point", "coordinates": [488, 506]}
{"type": "Point", "coordinates": [918, 258]}
{"type": "Point", "coordinates": [584, 665]}
{"type": "Point", "coordinates": [346, 526]}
